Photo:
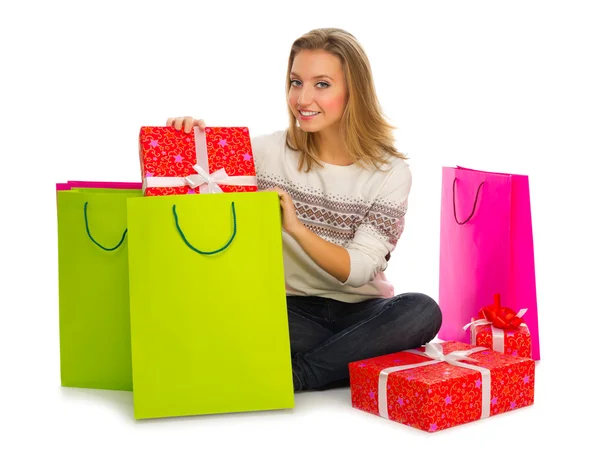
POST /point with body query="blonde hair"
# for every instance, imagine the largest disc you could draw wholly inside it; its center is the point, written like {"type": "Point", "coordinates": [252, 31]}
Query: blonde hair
{"type": "Point", "coordinates": [366, 134]}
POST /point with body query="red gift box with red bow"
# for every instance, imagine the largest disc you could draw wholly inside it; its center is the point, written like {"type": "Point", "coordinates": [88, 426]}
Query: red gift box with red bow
{"type": "Point", "coordinates": [442, 385]}
{"type": "Point", "coordinates": [501, 329]}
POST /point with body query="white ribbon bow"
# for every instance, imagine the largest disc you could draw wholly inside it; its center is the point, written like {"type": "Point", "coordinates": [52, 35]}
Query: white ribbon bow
{"type": "Point", "coordinates": [218, 177]}
{"type": "Point", "coordinates": [435, 352]}
{"type": "Point", "coordinates": [208, 182]}
{"type": "Point", "coordinates": [497, 333]}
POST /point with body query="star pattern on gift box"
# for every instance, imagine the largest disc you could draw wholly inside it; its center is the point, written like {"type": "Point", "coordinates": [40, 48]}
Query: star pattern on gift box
{"type": "Point", "coordinates": [166, 152]}
{"type": "Point", "coordinates": [440, 395]}
{"type": "Point", "coordinates": [516, 342]}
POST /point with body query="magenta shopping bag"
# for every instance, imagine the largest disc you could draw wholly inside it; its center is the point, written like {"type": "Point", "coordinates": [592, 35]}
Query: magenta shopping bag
{"type": "Point", "coordinates": [486, 248]}
{"type": "Point", "coordinates": [97, 184]}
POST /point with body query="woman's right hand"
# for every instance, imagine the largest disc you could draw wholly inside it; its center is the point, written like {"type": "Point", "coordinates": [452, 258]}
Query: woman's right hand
{"type": "Point", "coordinates": [187, 123]}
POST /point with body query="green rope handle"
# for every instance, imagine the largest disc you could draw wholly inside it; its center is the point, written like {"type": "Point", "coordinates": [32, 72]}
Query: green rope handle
{"type": "Point", "coordinates": [87, 229]}
{"type": "Point", "coordinates": [206, 252]}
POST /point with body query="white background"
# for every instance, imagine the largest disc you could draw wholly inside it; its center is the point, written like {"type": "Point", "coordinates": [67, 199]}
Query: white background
{"type": "Point", "coordinates": [509, 86]}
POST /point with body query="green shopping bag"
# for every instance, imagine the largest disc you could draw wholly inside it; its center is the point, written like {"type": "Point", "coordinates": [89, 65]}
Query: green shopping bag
{"type": "Point", "coordinates": [209, 327]}
{"type": "Point", "coordinates": [95, 344]}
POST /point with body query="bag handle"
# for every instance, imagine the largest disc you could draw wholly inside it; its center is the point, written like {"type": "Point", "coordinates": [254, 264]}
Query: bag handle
{"type": "Point", "coordinates": [87, 229]}
{"type": "Point", "coordinates": [185, 240]}
{"type": "Point", "coordinates": [454, 202]}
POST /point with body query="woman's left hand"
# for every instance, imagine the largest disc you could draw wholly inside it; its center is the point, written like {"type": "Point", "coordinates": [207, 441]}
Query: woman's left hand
{"type": "Point", "coordinates": [290, 221]}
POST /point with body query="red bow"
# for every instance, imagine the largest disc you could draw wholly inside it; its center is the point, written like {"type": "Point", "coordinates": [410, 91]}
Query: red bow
{"type": "Point", "coordinates": [500, 317]}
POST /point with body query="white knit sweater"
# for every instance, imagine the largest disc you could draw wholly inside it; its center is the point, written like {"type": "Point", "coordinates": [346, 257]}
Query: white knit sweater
{"type": "Point", "coordinates": [360, 209]}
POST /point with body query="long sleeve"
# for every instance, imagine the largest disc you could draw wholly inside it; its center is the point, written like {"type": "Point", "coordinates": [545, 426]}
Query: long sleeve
{"type": "Point", "coordinates": [381, 228]}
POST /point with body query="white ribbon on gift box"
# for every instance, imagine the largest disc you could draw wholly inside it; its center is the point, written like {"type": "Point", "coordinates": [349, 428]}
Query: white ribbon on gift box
{"type": "Point", "coordinates": [497, 333]}
{"type": "Point", "coordinates": [208, 182]}
{"type": "Point", "coordinates": [435, 352]}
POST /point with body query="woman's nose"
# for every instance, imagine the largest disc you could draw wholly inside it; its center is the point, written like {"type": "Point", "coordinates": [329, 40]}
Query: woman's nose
{"type": "Point", "coordinates": [305, 97]}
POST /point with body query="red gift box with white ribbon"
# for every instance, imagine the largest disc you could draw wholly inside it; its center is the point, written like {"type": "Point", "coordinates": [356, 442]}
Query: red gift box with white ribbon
{"type": "Point", "coordinates": [216, 160]}
{"type": "Point", "coordinates": [501, 329]}
{"type": "Point", "coordinates": [442, 385]}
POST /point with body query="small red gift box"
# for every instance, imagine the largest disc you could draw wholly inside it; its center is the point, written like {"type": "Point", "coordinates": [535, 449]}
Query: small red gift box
{"type": "Point", "coordinates": [516, 342]}
{"type": "Point", "coordinates": [218, 159]}
{"type": "Point", "coordinates": [442, 385]}
{"type": "Point", "coordinates": [501, 329]}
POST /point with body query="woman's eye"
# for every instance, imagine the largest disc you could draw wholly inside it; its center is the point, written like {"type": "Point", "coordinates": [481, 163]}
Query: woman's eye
{"type": "Point", "coordinates": [320, 84]}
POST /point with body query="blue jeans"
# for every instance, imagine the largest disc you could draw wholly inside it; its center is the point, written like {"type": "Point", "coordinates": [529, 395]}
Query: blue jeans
{"type": "Point", "coordinates": [326, 334]}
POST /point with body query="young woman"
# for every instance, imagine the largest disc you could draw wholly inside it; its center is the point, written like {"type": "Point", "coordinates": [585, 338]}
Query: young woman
{"type": "Point", "coordinates": [343, 188]}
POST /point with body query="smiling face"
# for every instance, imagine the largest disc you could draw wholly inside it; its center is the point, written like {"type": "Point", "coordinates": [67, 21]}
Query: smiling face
{"type": "Point", "coordinates": [318, 93]}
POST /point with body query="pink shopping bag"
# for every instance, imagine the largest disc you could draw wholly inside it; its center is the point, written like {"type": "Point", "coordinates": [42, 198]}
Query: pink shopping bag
{"type": "Point", "coordinates": [486, 248]}
{"type": "Point", "coordinates": [97, 184]}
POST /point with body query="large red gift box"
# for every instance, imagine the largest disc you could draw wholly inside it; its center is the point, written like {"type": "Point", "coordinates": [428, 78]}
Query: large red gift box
{"type": "Point", "coordinates": [218, 159]}
{"type": "Point", "coordinates": [501, 329]}
{"type": "Point", "coordinates": [442, 385]}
